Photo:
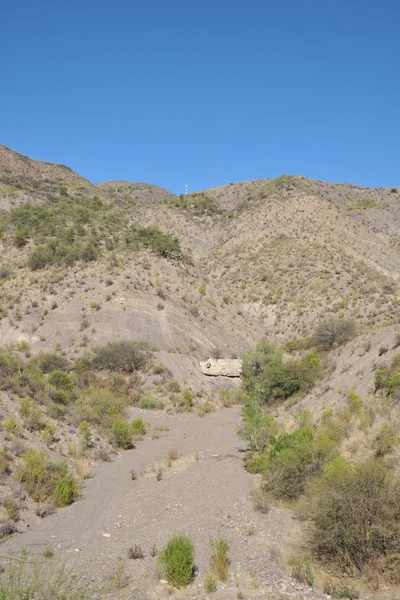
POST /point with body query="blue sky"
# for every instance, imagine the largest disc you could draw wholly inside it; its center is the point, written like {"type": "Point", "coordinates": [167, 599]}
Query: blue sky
{"type": "Point", "coordinates": [207, 92]}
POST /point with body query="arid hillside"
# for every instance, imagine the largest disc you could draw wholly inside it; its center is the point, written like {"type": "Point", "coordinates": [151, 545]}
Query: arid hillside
{"type": "Point", "coordinates": [110, 296]}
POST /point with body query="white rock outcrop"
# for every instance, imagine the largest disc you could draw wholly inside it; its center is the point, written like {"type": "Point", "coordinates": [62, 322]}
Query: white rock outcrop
{"type": "Point", "coordinates": [222, 367]}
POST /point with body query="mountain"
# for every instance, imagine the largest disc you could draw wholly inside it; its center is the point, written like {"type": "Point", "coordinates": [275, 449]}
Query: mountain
{"type": "Point", "coordinates": [111, 294]}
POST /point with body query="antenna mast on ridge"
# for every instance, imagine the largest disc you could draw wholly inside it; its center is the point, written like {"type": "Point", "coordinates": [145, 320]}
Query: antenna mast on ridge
{"type": "Point", "coordinates": [186, 188]}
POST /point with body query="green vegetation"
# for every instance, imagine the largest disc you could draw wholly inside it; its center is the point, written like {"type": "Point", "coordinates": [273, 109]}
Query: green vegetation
{"type": "Point", "coordinates": [122, 435]}
{"type": "Point", "coordinates": [333, 332]}
{"type": "Point", "coordinates": [62, 230]}
{"type": "Point", "coordinates": [94, 391]}
{"type": "Point", "coordinates": [219, 560]}
{"type": "Point", "coordinates": [177, 561]}
{"type": "Point", "coordinates": [138, 426]}
{"type": "Point", "coordinates": [126, 357]}
{"type": "Point", "coordinates": [355, 509]}
{"type": "Point", "coordinates": [163, 244]}
{"type": "Point", "coordinates": [387, 379]}
{"type": "Point", "coordinates": [294, 459]}
{"type": "Point", "coordinates": [267, 377]}
{"type": "Point", "coordinates": [197, 203]}
{"type": "Point", "coordinates": [45, 480]}
{"type": "Point", "coordinates": [257, 427]}
{"type": "Point", "coordinates": [27, 578]}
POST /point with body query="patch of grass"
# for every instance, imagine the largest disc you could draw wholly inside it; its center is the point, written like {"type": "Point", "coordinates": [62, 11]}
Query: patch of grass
{"type": "Point", "coordinates": [210, 583]}
{"type": "Point", "coordinates": [26, 577]}
{"type": "Point", "coordinates": [219, 560]}
{"type": "Point", "coordinates": [149, 403]}
{"type": "Point", "coordinates": [177, 561]}
{"type": "Point", "coordinates": [260, 500]}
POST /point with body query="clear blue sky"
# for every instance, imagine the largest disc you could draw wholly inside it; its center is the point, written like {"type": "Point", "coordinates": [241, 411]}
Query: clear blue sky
{"type": "Point", "coordinates": [204, 91]}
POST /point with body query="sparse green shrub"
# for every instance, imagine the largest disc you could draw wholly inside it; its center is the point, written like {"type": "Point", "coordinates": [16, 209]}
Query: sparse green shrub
{"type": "Point", "coordinates": [267, 377]}
{"type": "Point", "coordinates": [25, 578]}
{"type": "Point", "coordinates": [219, 560]}
{"type": "Point", "coordinates": [61, 380]}
{"type": "Point", "coordinates": [152, 237]}
{"type": "Point", "coordinates": [177, 561]}
{"type": "Point", "coordinates": [187, 397]}
{"type": "Point", "coordinates": [257, 427]}
{"type": "Point", "coordinates": [148, 402]}
{"type": "Point", "coordinates": [45, 480]}
{"type": "Point", "coordinates": [85, 434]}
{"type": "Point", "coordinates": [46, 362]}
{"type": "Point", "coordinates": [355, 509]}
{"type": "Point", "coordinates": [138, 426]}
{"type": "Point", "coordinates": [301, 570]}
{"type": "Point", "coordinates": [11, 507]}
{"type": "Point", "coordinates": [333, 332]}
{"type": "Point", "coordinates": [9, 366]}
{"type": "Point", "coordinates": [298, 345]}
{"type": "Point", "coordinates": [173, 386]}
{"type": "Point", "coordinates": [294, 459]}
{"type": "Point", "coordinates": [126, 357]}
{"type": "Point", "coordinates": [11, 426]}
{"type": "Point", "coordinates": [355, 402]}
{"type": "Point", "coordinates": [387, 379]}
{"type": "Point", "coordinates": [65, 491]}
{"type": "Point", "coordinates": [260, 500]}
{"type": "Point", "coordinates": [122, 434]}
{"type": "Point", "coordinates": [255, 462]}
{"type": "Point", "coordinates": [100, 407]}
{"type": "Point", "coordinates": [210, 583]}
{"type": "Point", "coordinates": [48, 433]}
{"type": "Point", "coordinates": [385, 441]}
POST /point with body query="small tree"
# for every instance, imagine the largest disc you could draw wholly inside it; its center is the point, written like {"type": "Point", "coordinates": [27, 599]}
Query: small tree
{"type": "Point", "coordinates": [332, 332]}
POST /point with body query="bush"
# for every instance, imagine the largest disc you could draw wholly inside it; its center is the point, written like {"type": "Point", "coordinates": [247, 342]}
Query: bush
{"type": "Point", "coordinates": [65, 491]}
{"type": "Point", "coordinates": [356, 512]}
{"type": "Point", "coordinates": [122, 435]}
{"type": "Point", "coordinates": [45, 480]}
{"type": "Point", "coordinates": [387, 379]}
{"type": "Point", "coordinates": [125, 357]}
{"type": "Point", "coordinates": [334, 332]}
{"type": "Point", "coordinates": [177, 561]}
{"type": "Point", "coordinates": [46, 362]}
{"type": "Point", "coordinates": [148, 403]}
{"type": "Point", "coordinates": [61, 380]}
{"type": "Point", "coordinates": [257, 428]}
{"type": "Point", "coordinates": [294, 459]}
{"type": "Point", "coordinates": [219, 560]}
{"type": "Point", "coordinates": [163, 244]}
{"type": "Point", "coordinates": [138, 426]}
{"type": "Point", "coordinates": [267, 377]}
{"type": "Point", "coordinates": [100, 407]}
{"type": "Point", "coordinates": [9, 366]}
